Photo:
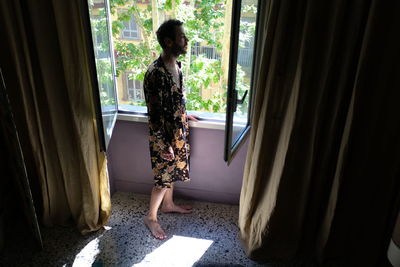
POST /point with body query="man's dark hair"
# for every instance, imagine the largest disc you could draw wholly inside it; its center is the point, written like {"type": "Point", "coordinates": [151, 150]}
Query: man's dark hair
{"type": "Point", "coordinates": [167, 30]}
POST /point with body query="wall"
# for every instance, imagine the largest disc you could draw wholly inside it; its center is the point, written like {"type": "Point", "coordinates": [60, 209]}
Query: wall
{"type": "Point", "coordinates": [211, 179]}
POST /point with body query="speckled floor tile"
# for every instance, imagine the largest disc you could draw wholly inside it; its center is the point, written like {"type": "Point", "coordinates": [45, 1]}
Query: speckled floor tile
{"type": "Point", "coordinates": [206, 237]}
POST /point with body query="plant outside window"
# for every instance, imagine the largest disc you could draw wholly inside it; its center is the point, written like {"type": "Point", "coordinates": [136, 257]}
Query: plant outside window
{"type": "Point", "coordinates": [207, 24]}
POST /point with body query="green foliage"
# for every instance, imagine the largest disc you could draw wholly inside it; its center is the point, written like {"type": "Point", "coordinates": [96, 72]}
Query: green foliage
{"type": "Point", "coordinates": [102, 59]}
{"type": "Point", "coordinates": [137, 103]}
{"type": "Point", "coordinates": [105, 81]}
{"type": "Point", "coordinates": [132, 57]}
{"type": "Point", "coordinates": [246, 32]}
{"type": "Point", "coordinates": [204, 73]}
{"type": "Point", "coordinates": [204, 24]}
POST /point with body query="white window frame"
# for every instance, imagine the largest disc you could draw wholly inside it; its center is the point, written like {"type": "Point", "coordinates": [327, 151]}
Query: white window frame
{"type": "Point", "coordinates": [133, 91]}
{"type": "Point", "coordinates": [130, 28]}
{"type": "Point", "coordinates": [209, 120]}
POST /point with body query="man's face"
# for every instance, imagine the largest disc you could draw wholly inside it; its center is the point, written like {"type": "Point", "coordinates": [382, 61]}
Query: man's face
{"type": "Point", "coordinates": [180, 43]}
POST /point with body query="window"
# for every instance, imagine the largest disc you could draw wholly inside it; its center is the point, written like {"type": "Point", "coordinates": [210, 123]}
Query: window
{"type": "Point", "coordinates": [134, 89]}
{"type": "Point", "coordinates": [218, 71]}
{"type": "Point", "coordinates": [101, 51]}
{"type": "Point", "coordinates": [131, 30]}
{"type": "Point", "coordinates": [246, 43]}
{"type": "Point", "coordinates": [241, 75]}
{"type": "Point", "coordinates": [207, 61]}
{"type": "Point", "coordinates": [98, 29]}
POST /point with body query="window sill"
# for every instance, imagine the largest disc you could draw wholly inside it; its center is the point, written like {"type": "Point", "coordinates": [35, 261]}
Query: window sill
{"type": "Point", "coordinates": [131, 39]}
{"type": "Point", "coordinates": [203, 123]}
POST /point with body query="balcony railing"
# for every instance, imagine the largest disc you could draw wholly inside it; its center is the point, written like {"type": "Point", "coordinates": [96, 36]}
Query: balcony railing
{"type": "Point", "coordinates": [207, 51]}
{"type": "Point", "coordinates": [245, 57]}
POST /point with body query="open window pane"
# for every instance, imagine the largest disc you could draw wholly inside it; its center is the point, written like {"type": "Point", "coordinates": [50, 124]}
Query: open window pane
{"type": "Point", "coordinates": [241, 74]}
{"type": "Point", "coordinates": [98, 11]}
{"type": "Point", "coordinates": [244, 67]}
{"type": "Point", "coordinates": [205, 65]}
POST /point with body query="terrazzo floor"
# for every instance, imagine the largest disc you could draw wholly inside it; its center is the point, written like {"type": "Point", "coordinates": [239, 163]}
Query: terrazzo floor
{"type": "Point", "coordinates": [206, 237]}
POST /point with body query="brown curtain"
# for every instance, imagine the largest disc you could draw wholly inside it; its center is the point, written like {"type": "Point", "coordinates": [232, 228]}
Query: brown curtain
{"type": "Point", "coordinates": [321, 179]}
{"type": "Point", "coordinates": [45, 63]}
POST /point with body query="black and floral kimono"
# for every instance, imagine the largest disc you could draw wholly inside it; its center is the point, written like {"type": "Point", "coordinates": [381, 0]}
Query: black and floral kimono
{"type": "Point", "coordinates": [168, 124]}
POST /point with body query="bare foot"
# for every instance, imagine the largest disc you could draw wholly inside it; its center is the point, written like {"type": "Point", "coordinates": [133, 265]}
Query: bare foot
{"type": "Point", "coordinates": [175, 208]}
{"type": "Point", "coordinates": [154, 228]}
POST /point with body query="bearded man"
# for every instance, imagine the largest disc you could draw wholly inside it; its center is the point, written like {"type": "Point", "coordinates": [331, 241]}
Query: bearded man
{"type": "Point", "coordinates": [168, 123]}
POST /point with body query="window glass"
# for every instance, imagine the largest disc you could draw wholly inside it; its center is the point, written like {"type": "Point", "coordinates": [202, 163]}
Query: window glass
{"type": "Point", "coordinates": [100, 28]}
{"type": "Point", "coordinates": [135, 90]}
{"type": "Point", "coordinates": [218, 68]}
{"type": "Point", "coordinates": [207, 24]}
{"type": "Point", "coordinates": [130, 30]}
{"type": "Point", "coordinates": [244, 66]}
{"type": "Point", "coordinates": [241, 75]}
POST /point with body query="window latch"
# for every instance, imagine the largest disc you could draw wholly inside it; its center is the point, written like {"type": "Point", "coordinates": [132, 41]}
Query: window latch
{"type": "Point", "coordinates": [238, 101]}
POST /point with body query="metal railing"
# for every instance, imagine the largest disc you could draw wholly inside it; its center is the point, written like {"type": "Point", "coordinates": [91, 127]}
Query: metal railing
{"type": "Point", "coordinates": [245, 57]}
{"type": "Point", "coordinates": [209, 52]}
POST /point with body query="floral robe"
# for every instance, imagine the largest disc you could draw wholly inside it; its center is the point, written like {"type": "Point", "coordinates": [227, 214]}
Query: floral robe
{"type": "Point", "coordinates": [168, 124]}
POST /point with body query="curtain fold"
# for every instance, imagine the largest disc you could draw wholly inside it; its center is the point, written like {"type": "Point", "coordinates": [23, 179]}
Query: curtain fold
{"type": "Point", "coordinates": [47, 67]}
{"type": "Point", "coordinates": [324, 148]}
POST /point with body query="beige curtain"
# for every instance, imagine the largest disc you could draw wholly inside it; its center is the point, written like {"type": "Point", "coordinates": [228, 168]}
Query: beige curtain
{"type": "Point", "coordinates": [321, 179]}
{"type": "Point", "coordinates": [46, 69]}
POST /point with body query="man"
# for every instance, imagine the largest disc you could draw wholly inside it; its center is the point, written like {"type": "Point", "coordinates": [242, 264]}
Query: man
{"type": "Point", "coordinates": [168, 123]}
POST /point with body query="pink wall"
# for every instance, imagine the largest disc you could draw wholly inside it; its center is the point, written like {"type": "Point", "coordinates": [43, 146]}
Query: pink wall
{"type": "Point", "coordinates": [211, 179]}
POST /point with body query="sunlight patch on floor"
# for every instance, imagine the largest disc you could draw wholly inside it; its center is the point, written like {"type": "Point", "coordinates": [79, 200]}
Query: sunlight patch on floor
{"type": "Point", "coordinates": [177, 251]}
{"type": "Point", "coordinates": [88, 255]}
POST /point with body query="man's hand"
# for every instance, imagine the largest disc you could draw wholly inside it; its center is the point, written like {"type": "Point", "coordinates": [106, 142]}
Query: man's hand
{"type": "Point", "coordinates": [168, 154]}
{"type": "Point", "coordinates": [193, 117]}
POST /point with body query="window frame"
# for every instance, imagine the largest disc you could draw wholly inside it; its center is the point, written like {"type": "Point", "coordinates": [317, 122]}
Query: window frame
{"type": "Point", "coordinates": [128, 38]}
{"type": "Point", "coordinates": [90, 46]}
{"type": "Point", "coordinates": [139, 115]}
{"type": "Point", "coordinates": [231, 150]}
{"type": "Point", "coordinates": [127, 79]}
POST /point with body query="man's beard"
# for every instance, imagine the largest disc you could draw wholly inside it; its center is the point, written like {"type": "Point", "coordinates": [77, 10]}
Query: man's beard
{"type": "Point", "coordinates": [178, 50]}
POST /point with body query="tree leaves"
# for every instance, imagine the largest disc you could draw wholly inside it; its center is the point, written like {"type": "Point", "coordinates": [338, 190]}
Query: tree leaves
{"type": "Point", "coordinates": [204, 24]}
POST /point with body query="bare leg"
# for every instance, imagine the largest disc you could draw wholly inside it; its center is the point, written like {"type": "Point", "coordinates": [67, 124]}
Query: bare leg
{"type": "Point", "coordinates": [157, 195]}
{"type": "Point", "coordinates": [168, 204]}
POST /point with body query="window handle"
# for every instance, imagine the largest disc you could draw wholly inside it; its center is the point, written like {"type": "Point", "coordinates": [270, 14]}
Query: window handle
{"type": "Point", "coordinates": [240, 101]}
{"type": "Point", "coordinates": [237, 101]}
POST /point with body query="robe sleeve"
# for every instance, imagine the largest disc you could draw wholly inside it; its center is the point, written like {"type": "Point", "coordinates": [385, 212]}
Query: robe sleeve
{"type": "Point", "coordinates": [156, 109]}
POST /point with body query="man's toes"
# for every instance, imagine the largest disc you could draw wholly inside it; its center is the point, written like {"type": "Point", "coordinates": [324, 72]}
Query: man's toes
{"type": "Point", "coordinates": [159, 233]}
{"type": "Point", "coordinates": [187, 207]}
{"type": "Point", "coordinates": [177, 208]}
{"type": "Point", "coordinates": [186, 211]}
{"type": "Point", "coordinates": [160, 236]}
{"type": "Point", "coordinates": [155, 228]}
